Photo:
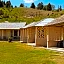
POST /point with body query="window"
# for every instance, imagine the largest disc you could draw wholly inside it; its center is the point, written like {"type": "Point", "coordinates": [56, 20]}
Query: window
{"type": "Point", "coordinates": [40, 32]}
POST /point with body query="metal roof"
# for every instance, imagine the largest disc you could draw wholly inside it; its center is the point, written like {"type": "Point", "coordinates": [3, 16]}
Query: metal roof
{"type": "Point", "coordinates": [30, 25]}
{"type": "Point", "coordinates": [8, 25]}
{"type": "Point", "coordinates": [44, 22]}
{"type": "Point", "coordinates": [57, 21]}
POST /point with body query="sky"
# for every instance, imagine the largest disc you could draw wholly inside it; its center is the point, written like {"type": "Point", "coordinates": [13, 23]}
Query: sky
{"type": "Point", "coordinates": [45, 2]}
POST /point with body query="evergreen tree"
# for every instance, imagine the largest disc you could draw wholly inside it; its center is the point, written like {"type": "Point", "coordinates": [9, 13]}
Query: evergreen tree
{"type": "Point", "coordinates": [32, 6]}
{"type": "Point", "coordinates": [40, 6]}
{"type": "Point", "coordinates": [15, 6]}
{"type": "Point", "coordinates": [1, 12]}
{"type": "Point", "coordinates": [60, 8]}
{"type": "Point", "coordinates": [49, 7]}
{"type": "Point", "coordinates": [45, 7]}
{"type": "Point", "coordinates": [1, 4]}
{"type": "Point", "coordinates": [11, 6]}
{"type": "Point", "coordinates": [4, 3]}
{"type": "Point", "coordinates": [21, 5]}
{"type": "Point", "coordinates": [53, 7]}
{"type": "Point", "coordinates": [8, 4]}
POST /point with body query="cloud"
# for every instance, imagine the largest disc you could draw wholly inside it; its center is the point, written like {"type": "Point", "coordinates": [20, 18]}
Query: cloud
{"type": "Point", "coordinates": [5, 0]}
{"type": "Point", "coordinates": [29, 1]}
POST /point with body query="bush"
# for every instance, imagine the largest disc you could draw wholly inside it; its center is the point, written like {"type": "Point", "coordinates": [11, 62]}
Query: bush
{"type": "Point", "coordinates": [1, 12]}
{"type": "Point", "coordinates": [10, 39]}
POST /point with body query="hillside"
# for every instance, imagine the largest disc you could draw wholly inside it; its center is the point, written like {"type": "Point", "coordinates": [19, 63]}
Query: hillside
{"type": "Point", "coordinates": [26, 14]}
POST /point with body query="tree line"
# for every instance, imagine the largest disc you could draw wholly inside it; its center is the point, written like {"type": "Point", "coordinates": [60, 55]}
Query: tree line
{"type": "Point", "coordinates": [39, 6]}
{"type": "Point", "coordinates": [5, 4]}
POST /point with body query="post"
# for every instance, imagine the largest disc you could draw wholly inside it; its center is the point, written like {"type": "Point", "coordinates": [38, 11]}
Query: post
{"type": "Point", "coordinates": [35, 36]}
{"type": "Point", "coordinates": [62, 37]}
{"type": "Point", "coordinates": [18, 33]}
{"type": "Point", "coordinates": [13, 33]}
{"type": "Point", "coordinates": [47, 41]}
{"type": "Point", "coordinates": [2, 34]}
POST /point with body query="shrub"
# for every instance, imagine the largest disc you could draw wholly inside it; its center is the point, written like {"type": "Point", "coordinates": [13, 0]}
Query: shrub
{"type": "Point", "coordinates": [1, 12]}
{"type": "Point", "coordinates": [10, 39]}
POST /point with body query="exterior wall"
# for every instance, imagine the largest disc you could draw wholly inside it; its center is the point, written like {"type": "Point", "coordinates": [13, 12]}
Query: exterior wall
{"type": "Point", "coordinates": [40, 36]}
{"type": "Point", "coordinates": [5, 34]}
{"type": "Point", "coordinates": [55, 35]}
{"type": "Point", "coordinates": [23, 35]}
{"type": "Point", "coordinates": [0, 33]}
{"type": "Point", "coordinates": [52, 43]}
{"type": "Point", "coordinates": [31, 35]}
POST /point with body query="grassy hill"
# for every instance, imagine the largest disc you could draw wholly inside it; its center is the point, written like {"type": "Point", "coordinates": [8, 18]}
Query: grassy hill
{"type": "Point", "coordinates": [26, 14]}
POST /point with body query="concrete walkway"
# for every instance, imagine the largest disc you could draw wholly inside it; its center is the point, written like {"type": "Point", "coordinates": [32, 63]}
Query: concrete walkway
{"type": "Point", "coordinates": [31, 44]}
{"type": "Point", "coordinates": [51, 48]}
{"type": "Point", "coordinates": [56, 49]}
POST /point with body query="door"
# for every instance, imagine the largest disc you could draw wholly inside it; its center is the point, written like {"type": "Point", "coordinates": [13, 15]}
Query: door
{"type": "Point", "coordinates": [15, 32]}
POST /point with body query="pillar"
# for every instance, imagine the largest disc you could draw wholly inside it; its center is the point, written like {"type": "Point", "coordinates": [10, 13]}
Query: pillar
{"type": "Point", "coordinates": [47, 41]}
{"type": "Point", "coordinates": [13, 33]}
{"type": "Point", "coordinates": [2, 34]}
{"type": "Point", "coordinates": [18, 33]}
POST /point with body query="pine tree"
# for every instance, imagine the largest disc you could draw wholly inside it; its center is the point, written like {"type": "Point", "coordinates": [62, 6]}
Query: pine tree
{"type": "Point", "coordinates": [21, 5]}
{"type": "Point", "coordinates": [8, 4]}
{"type": "Point", "coordinates": [15, 6]}
{"type": "Point", "coordinates": [32, 6]}
{"type": "Point", "coordinates": [40, 6]}
{"type": "Point", "coordinates": [49, 7]}
{"type": "Point", "coordinates": [1, 4]}
{"type": "Point", "coordinates": [60, 8]}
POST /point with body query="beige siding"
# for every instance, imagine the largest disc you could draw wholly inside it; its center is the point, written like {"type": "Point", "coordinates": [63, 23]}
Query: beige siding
{"type": "Point", "coordinates": [40, 39]}
{"type": "Point", "coordinates": [7, 33]}
{"type": "Point", "coordinates": [23, 35]}
{"type": "Point", "coordinates": [31, 35]}
{"type": "Point", "coordinates": [55, 35]}
{"type": "Point", "coordinates": [0, 33]}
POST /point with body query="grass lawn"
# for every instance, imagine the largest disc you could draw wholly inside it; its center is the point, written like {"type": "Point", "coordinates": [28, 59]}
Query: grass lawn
{"type": "Point", "coordinates": [18, 53]}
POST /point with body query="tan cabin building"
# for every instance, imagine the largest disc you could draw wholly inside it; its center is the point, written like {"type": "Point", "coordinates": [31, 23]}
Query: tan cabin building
{"type": "Point", "coordinates": [8, 29]}
{"type": "Point", "coordinates": [41, 32]}
{"type": "Point", "coordinates": [36, 32]}
{"type": "Point", "coordinates": [23, 35]}
{"type": "Point", "coordinates": [50, 32]}
{"type": "Point", "coordinates": [56, 32]}
{"type": "Point", "coordinates": [28, 33]}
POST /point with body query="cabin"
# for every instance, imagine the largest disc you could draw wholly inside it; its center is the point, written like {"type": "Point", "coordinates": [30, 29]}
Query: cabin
{"type": "Point", "coordinates": [41, 32]}
{"type": "Point", "coordinates": [55, 32]}
{"type": "Point", "coordinates": [8, 29]}
{"type": "Point", "coordinates": [36, 32]}
{"type": "Point", "coordinates": [50, 32]}
{"type": "Point", "coordinates": [28, 33]}
{"type": "Point", "coordinates": [23, 35]}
